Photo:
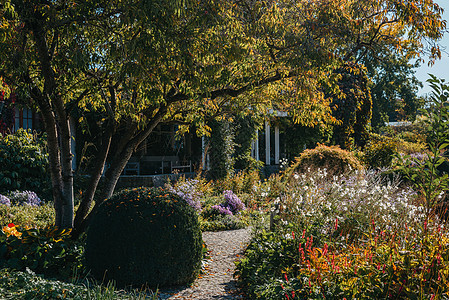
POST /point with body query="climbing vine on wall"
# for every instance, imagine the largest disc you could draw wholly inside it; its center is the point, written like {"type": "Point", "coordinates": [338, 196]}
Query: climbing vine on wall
{"type": "Point", "coordinates": [245, 133]}
{"type": "Point", "coordinates": [221, 149]}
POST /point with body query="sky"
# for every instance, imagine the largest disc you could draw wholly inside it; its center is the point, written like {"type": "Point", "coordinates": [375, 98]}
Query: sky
{"type": "Point", "coordinates": [441, 67]}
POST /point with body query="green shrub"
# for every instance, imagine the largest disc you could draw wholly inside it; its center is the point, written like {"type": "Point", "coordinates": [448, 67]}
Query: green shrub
{"type": "Point", "coordinates": [24, 163]}
{"type": "Point", "coordinates": [211, 221]}
{"type": "Point", "coordinates": [241, 182]}
{"type": "Point", "coordinates": [47, 250]}
{"type": "Point", "coordinates": [380, 151]}
{"type": "Point", "coordinates": [335, 160]}
{"type": "Point", "coordinates": [221, 149]}
{"type": "Point", "coordinates": [27, 215]}
{"type": "Point", "coordinates": [28, 285]}
{"type": "Point", "coordinates": [266, 259]}
{"type": "Point", "coordinates": [144, 236]}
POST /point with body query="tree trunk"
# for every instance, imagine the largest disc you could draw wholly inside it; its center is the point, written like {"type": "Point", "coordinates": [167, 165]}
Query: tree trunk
{"type": "Point", "coordinates": [88, 197]}
{"type": "Point", "coordinates": [67, 174]}
{"type": "Point", "coordinates": [54, 161]}
{"type": "Point", "coordinates": [54, 154]}
{"type": "Point", "coordinates": [121, 158]}
{"type": "Point", "coordinates": [115, 170]}
{"type": "Point", "coordinates": [63, 185]}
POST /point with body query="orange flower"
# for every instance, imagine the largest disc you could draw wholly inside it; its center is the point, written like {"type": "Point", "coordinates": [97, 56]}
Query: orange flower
{"type": "Point", "coordinates": [11, 230]}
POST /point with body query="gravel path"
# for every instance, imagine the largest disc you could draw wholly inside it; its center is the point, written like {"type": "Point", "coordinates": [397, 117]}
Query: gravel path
{"type": "Point", "coordinates": [225, 248]}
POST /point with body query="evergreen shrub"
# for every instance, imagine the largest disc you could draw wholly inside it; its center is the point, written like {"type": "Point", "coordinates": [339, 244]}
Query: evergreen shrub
{"type": "Point", "coordinates": [144, 237]}
{"type": "Point", "coordinates": [334, 159]}
{"type": "Point", "coordinates": [24, 163]}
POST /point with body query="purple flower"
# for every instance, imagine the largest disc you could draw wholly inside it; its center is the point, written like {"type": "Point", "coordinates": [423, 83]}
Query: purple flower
{"type": "Point", "coordinates": [25, 198]}
{"type": "Point", "coordinates": [222, 210]}
{"type": "Point", "coordinates": [5, 200]}
{"type": "Point", "coordinates": [187, 190]}
{"type": "Point", "coordinates": [233, 202]}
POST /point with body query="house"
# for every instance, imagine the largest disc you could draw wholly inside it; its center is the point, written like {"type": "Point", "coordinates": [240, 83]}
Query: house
{"type": "Point", "coordinates": [14, 116]}
{"type": "Point", "coordinates": [163, 152]}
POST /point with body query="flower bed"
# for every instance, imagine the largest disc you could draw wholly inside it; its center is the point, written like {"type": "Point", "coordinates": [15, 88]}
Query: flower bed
{"type": "Point", "coordinates": [348, 237]}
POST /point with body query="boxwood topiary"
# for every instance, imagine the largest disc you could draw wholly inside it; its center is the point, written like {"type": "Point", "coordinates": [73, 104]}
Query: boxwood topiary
{"type": "Point", "coordinates": [144, 236]}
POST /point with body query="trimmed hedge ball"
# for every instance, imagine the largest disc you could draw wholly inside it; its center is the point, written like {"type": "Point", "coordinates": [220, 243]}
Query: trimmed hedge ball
{"type": "Point", "coordinates": [337, 161]}
{"type": "Point", "coordinates": [144, 237]}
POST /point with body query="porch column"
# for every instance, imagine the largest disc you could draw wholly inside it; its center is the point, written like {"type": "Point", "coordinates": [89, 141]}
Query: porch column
{"type": "Point", "coordinates": [256, 145]}
{"type": "Point", "coordinates": [267, 143]}
{"type": "Point", "coordinates": [203, 152]}
{"type": "Point", "coordinates": [72, 141]}
{"type": "Point", "coordinates": [276, 145]}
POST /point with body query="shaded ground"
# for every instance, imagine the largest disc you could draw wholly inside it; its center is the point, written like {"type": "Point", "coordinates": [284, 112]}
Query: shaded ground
{"type": "Point", "coordinates": [225, 248]}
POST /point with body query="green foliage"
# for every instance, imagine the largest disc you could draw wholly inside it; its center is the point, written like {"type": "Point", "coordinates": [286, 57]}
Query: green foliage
{"type": "Point", "coordinates": [144, 237]}
{"type": "Point", "coordinates": [27, 285]}
{"type": "Point", "coordinates": [212, 221]}
{"type": "Point", "coordinates": [394, 89]}
{"type": "Point", "coordinates": [425, 176]}
{"type": "Point", "coordinates": [31, 216]}
{"type": "Point", "coordinates": [351, 237]}
{"type": "Point", "coordinates": [380, 151]}
{"type": "Point", "coordinates": [265, 261]}
{"type": "Point", "coordinates": [245, 133]}
{"type": "Point", "coordinates": [351, 106]}
{"type": "Point", "coordinates": [241, 182]}
{"type": "Point", "coordinates": [24, 163]}
{"type": "Point", "coordinates": [47, 250]}
{"type": "Point", "coordinates": [299, 137]}
{"type": "Point", "coordinates": [333, 159]}
{"type": "Point", "coordinates": [221, 149]}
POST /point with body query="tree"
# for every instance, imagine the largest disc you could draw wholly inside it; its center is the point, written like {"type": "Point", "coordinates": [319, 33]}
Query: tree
{"type": "Point", "coordinates": [351, 106]}
{"type": "Point", "coordinates": [138, 63]}
{"type": "Point", "coordinates": [394, 88]}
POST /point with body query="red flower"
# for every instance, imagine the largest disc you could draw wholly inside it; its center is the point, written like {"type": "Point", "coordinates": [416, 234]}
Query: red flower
{"type": "Point", "coordinates": [11, 225]}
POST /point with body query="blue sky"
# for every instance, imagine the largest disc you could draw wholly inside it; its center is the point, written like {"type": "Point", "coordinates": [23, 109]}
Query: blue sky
{"type": "Point", "coordinates": [441, 67]}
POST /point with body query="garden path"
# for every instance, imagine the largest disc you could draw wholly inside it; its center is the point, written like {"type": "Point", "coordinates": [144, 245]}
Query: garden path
{"type": "Point", "coordinates": [225, 247]}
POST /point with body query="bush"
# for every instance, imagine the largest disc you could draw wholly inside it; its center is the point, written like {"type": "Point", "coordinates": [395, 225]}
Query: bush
{"type": "Point", "coordinates": [47, 250]}
{"type": "Point", "coordinates": [347, 237]}
{"type": "Point", "coordinates": [191, 190]}
{"type": "Point", "coordinates": [221, 149]}
{"type": "Point", "coordinates": [144, 236]}
{"type": "Point", "coordinates": [232, 204]}
{"type": "Point", "coordinates": [24, 198]}
{"type": "Point", "coordinates": [5, 200]}
{"type": "Point", "coordinates": [335, 160]}
{"type": "Point", "coordinates": [380, 151]}
{"type": "Point", "coordinates": [24, 163]}
{"type": "Point", "coordinates": [241, 182]}
{"type": "Point", "coordinates": [211, 221]}
{"type": "Point", "coordinates": [27, 215]}
{"type": "Point", "coordinates": [31, 216]}
{"type": "Point", "coordinates": [28, 285]}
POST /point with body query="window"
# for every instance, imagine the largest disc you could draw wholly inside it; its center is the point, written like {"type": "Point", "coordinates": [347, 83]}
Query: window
{"type": "Point", "coordinates": [23, 118]}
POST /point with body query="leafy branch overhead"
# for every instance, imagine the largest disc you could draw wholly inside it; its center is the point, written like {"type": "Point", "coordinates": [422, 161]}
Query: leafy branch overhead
{"type": "Point", "coordinates": [137, 63]}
